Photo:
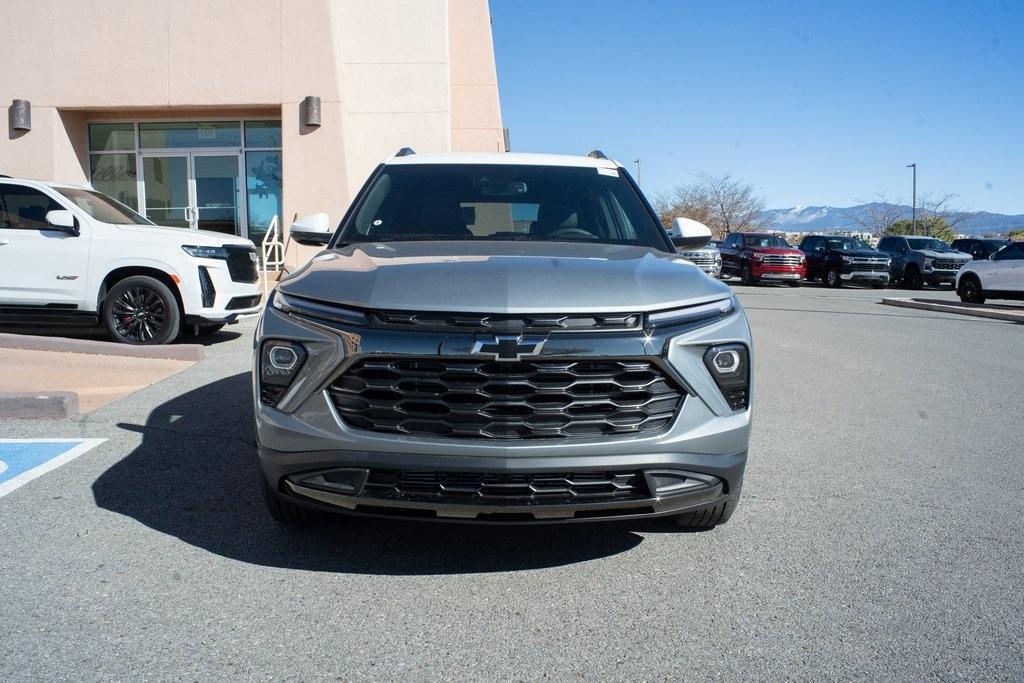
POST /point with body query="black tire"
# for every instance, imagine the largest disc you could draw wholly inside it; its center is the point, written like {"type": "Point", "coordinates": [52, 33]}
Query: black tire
{"type": "Point", "coordinates": [795, 283]}
{"type": "Point", "coordinates": [706, 517]}
{"type": "Point", "coordinates": [287, 512]}
{"type": "Point", "coordinates": [745, 275]}
{"type": "Point", "coordinates": [970, 291]}
{"type": "Point", "coordinates": [912, 278]}
{"type": "Point", "coordinates": [878, 285]}
{"type": "Point", "coordinates": [833, 279]}
{"type": "Point", "coordinates": [142, 311]}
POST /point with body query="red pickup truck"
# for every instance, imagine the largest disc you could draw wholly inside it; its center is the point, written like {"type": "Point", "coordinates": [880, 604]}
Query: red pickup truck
{"type": "Point", "coordinates": [755, 257]}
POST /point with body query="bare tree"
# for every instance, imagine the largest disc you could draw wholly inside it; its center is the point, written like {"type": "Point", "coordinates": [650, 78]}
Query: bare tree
{"type": "Point", "coordinates": [877, 215]}
{"type": "Point", "coordinates": [723, 203]}
{"type": "Point", "coordinates": [942, 206]}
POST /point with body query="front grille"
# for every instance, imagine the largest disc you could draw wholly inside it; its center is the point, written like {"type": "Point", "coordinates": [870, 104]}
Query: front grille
{"type": "Point", "coordinates": [947, 264]}
{"type": "Point", "coordinates": [538, 322]}
{"type": "Point", "coordinates": [869, 266]}
{"type": "Point", "coordinates": [781, 260]}
{"type": "Point", "coordinates": [242, 263]}
{"type": "Point", "coordinates": [460, 398]}
{"type": "Point", "coordinates": [699, 258]}
{"type": "Point", "coordinates": [239, 302]}
{"type": "Point", "coordinates": [519, 488]}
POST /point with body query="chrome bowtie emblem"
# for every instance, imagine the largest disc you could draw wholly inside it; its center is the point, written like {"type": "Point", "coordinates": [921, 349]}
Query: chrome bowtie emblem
{"type": "Point", "coordinates": [509, 347]}
{"type": "Point", "coordinates": [252, 256]}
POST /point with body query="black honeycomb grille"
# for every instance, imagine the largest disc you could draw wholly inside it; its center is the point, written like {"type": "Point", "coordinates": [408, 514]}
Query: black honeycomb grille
{"type": "Point", "coordinates": [431, 396]}
{"type": "Point", "coordinates": [523, 488]}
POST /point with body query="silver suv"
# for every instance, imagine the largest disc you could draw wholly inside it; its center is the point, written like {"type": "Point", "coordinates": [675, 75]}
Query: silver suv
{"type": "Point", "coordinates": [501, 338]}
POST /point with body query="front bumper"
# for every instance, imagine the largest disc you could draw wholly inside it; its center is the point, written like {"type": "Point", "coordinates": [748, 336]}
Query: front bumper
{"type": "Point", "coordinates": [784, 273]}
{"type": "Point", "coordinates": [939, 277]}
{"type": "Point", "coordinates": [876, 277]}
{"type": "Point", "coordinates": [305, 434]}
{"type": "Point", "coordinates": [671, 484]}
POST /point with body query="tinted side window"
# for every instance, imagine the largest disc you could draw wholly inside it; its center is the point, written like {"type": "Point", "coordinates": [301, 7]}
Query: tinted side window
{"type": "Point", "coordinates": [24, 208]}
{"type": "Point", "coordinates": [885, 244]}
{"type": "Point", "coordinates": [1013, 251]}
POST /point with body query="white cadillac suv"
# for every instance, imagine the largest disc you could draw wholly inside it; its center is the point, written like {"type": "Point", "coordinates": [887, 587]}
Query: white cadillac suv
{"type": "Point", "coordinates": [71, 255]}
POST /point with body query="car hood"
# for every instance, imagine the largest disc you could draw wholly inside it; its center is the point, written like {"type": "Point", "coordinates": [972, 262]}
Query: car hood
{"type": "Point", "coordinates": [860, 253]}
{"type": "Point", "coordinates": [785, 251]}
{"type": "Point", "coordinates": [502, 277]}
{"type": "Point", "coordinates": [168, 235]}
{"type": "Point", "coordinates": [931, 253]}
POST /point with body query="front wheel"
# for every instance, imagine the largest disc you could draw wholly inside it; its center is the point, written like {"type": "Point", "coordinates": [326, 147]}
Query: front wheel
{"type": "Point", "coordinates": [141, 310]}
{"type": "Point", "coordinates": [971, 292]}
{"type": "Point", "coordinates": [833, 279]}
{"type": "Point", "coordinates": [794, 283]}
{"type": "Point", "coordinates": [912, 279]}
{"type": "Point", "coordinates": [746, 277]}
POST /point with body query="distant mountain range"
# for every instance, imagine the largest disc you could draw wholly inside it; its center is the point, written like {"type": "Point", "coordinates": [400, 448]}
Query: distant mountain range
{"type": "Point", "coordinates": [827, 218]}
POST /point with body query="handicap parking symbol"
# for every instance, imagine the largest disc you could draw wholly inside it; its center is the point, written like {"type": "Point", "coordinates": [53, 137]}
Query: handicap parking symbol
{"type": "Point", "coordinates": [22, 460]}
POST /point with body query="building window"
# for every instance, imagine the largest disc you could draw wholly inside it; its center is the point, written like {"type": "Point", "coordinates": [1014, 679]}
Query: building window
{"type": "Point", "coordinates": [190, 134]}
{"type": "Point", "coordinates": [112, 162]}
{"type": "Point", "coordinates": [200, 161]}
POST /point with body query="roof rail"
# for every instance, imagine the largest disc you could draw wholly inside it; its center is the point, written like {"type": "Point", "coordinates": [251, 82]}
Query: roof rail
{"type": "Point", "coordinates": [405, 152]}
{"type": "Point", "coordinates": [596, 154]}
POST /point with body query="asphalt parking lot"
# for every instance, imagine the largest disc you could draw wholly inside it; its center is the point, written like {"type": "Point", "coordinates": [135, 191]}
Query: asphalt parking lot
{"type": "Point", "coordinates": [879, 536]}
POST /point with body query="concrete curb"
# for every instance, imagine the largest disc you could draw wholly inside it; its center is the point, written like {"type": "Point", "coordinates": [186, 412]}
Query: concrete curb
{"type": "Point", "coordinates": [51, 405]}
{"type": "Point", "coordinates": [976, 310]}
{"type": "Point", "coordinates": [28, 342]}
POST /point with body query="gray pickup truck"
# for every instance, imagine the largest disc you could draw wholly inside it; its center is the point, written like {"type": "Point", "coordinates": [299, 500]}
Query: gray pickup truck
{"type": "Point", "coordinates": [501, 338]}
{"type": "Point", "coordinates": [917, 261]}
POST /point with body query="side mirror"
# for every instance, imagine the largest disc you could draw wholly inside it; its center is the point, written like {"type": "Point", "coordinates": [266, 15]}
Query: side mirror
{"type": "Point", "coordinates": [690, 234]}
{"type": "Point", "coordinates": [63, 220]}
{"type": "Point", "coordinates": [313, 230]}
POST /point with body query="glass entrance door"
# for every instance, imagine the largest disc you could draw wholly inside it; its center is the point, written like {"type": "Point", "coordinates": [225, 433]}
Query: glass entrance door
{"type": "Point", "coordinates": [197, 190]}
{"type": "Point", "coordinates": [218, 193]}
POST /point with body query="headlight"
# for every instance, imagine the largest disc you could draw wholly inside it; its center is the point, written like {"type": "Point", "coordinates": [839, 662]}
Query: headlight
{"type": "Point", "coordinates": [928, 262]}
{"type": "Point", "coordinates": [757, 257]}
{"type": "Point", "coordinates": [846, 259]}
{"type": "Point", "coordinates": [803, 260]}
{"type": "Point", "coordinates": [205, 252]}
{"type": "Point", "coordinates": [679, 316]}
{"type": "Point", "coordinates": [718, 259]}
{"type": "Point", "coordinates": [314, 309]}
{"type": "Point", "coordinates": [280, 362]}
{"type": "Point", "coordinates": [729, 365]}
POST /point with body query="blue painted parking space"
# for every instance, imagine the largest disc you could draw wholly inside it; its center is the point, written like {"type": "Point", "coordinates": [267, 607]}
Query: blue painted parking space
{"type": "Point", "coordinates": [22, 460]}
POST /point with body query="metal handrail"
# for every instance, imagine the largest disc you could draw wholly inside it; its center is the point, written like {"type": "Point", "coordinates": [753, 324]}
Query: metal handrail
{"type": "Point", "coordinates": [272, 252]}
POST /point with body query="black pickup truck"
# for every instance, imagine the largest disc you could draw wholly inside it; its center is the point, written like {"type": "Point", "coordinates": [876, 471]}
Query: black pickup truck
{"type": "Point", "coordinates": [836, 260]}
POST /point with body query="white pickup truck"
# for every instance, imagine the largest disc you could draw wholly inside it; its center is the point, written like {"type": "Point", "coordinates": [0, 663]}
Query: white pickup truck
{"type": "Point", "coordinates": [71, 255]}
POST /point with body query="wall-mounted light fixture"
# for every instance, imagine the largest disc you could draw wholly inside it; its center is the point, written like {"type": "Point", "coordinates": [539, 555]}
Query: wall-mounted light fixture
{"type": "Point", "coordinates": [20, 115]}
{"type": "Point", "coordinates": [311, 110]}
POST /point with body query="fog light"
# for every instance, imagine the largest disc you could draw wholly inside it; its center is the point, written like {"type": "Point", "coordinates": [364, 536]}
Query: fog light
{"type": "Point", "coordinates": [729, 365]}
{"type": "Point", "coordinates": [726, 362]}
{"type": "Point", "coordinates": [280, 362]}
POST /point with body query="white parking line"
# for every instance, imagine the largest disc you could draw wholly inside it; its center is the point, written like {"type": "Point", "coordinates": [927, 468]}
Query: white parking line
{"type": "Point", "coordinates": [15, 452]}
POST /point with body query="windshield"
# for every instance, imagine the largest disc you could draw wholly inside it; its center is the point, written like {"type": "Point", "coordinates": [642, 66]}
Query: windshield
{"type": "Point", "coordinates": [502, 202]}
{"type": "Point", "coordinates": [928, 243]}
{"type": "Point", "coordinates": [103, 208]}
{"type": "Point", "coordinates": [765, 241]}
{"type": "Point", "coordinates": [995, 245]}
{"type": "Point", "coordinates": [848, 243]}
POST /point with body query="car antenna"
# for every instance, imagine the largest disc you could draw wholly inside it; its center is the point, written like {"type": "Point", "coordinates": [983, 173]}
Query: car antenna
{"type": "Point", "coordinates": [596, 154]}
{"type": "Point", "coordinates": [405, 152]}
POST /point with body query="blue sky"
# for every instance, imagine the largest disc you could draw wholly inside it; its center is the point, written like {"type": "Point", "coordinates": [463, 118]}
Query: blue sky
{"type": "Point", "coordinates": [812, 102]}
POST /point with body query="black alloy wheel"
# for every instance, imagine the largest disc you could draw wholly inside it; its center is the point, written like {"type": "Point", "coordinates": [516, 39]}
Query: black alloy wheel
{"type": "Point", "coordinates": [141, 310]}
{"type": "Point", "coordinates": [970, 292]}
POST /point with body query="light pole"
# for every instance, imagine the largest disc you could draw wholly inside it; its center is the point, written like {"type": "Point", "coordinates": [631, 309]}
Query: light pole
{"type": "Point", "coordinates": [637, 162]}
{"type": "Point", "coordinates": [913, 206]}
